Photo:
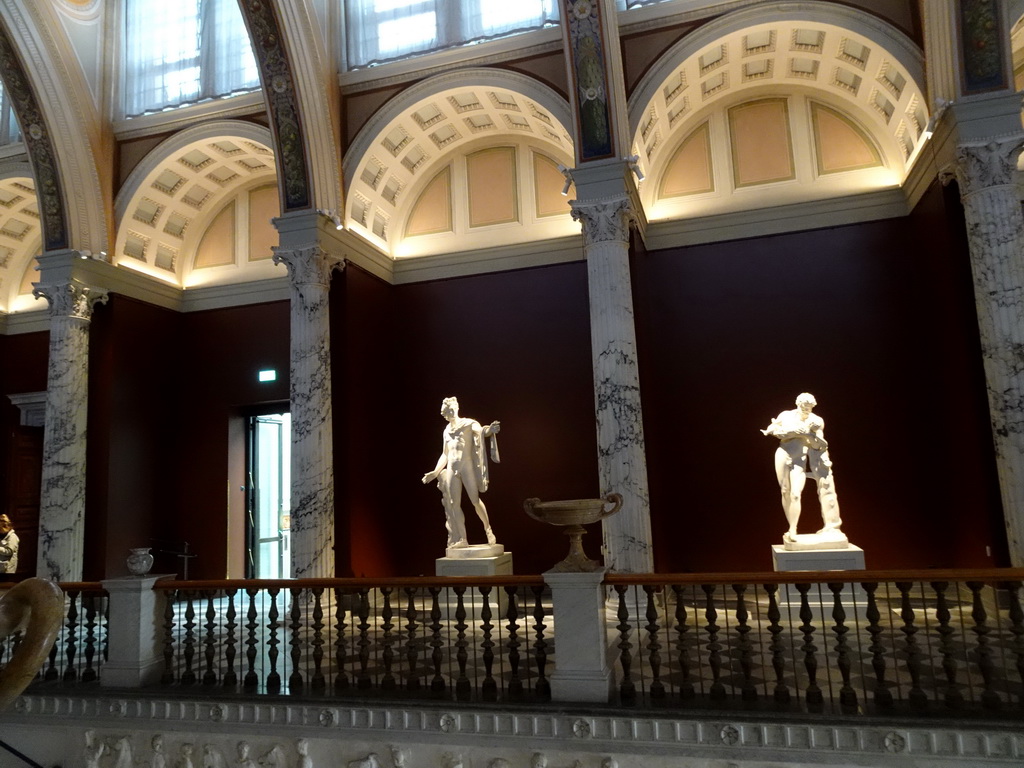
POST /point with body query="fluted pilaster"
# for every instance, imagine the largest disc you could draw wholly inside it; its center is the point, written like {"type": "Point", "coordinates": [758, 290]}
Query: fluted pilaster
{"type": "Point", "coordinates": [312, 464]}
{"type": "Point", "coordinates": [995, 233]}
{"type": "Point", "coordinates": [62, 500]}
{"type": "Point", "coordinates": [622, 462]}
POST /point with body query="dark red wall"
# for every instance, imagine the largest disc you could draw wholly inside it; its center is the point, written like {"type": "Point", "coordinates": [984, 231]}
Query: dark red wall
{"type": "Point", "coordinates": [876, 321]}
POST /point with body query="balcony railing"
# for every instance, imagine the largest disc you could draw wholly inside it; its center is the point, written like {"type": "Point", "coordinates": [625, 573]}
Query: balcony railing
{"type": "Point", "coordinates": [842, 642]}
{"type": "Point", "coordinates": [443, 638]}
{"type": "Point", "coordinates": [848, 643]}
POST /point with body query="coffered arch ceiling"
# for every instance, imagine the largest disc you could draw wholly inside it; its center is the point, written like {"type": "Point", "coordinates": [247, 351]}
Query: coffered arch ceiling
{"type": "Point", "coordinates": [833, 75]}
{"type": "Point", "coordinates": [441, 139]}
{"type": "Point", "coordinates": [21, 236]}
{"type": "Point", "coordinates": [217, 175]}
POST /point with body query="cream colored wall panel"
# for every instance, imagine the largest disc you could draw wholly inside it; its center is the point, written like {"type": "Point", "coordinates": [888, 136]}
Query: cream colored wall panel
{"type": "Point", "coordinates": [762, 150]}
{"type": "Point", "coordinates": [491, 185]}
{"type": "Point", "coordinates": [689, 172]}
{"type": "Point", "coordinates": [547, 185]}
{"type": "Point", "coordinates": [840, 145]}
{"type": "Point", "coordinates": [217, 247]}
{"type": "Point", "coordinates": [432, 211]}
{"type": "Point", "coordinates": [264, 205]}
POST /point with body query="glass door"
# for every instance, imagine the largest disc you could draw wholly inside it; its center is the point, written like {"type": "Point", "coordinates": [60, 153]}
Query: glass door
{"type": "Point", "coordinates": [269, 518]}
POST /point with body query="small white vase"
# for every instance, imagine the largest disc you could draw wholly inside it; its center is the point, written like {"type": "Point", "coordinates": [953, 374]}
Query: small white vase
{"type": "Point", "coordinates": [139, 561]}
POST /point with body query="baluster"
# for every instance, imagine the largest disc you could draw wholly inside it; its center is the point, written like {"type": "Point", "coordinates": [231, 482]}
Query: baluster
{"type": "Point", "coordinates": [387, 682]}
{"type": "Point", "coordinates": [363, 680]}
{"type": "Point", "coordinates": [515, 685]}
{"type": "Point", "coordinates": [717, 690]}
{"type": "Point", "coordinates": [295, 680]}
{"type": "Point", "coordinates": [989, 697]}
{"type": "Point", "coordinates": [462, 686]}
{"type": "Point", "coordinates": [813, 697]}
{"type": "Point", "coordinates": [1017, 628]}
{"type": "Point", "coordinates": [412, 679]}
{"type": "Point", "coordinates": [188, 677]}
{"type": "Point", "coordinates": [781, 692]}
{"type": "Point", "coordinates": [657, 688]}
{"type": "Point", "coordinates": [847, 696]}
{"type": "Point", "coordinates": [883, 696]}
{"type": "Point", "coordinates": [437, 684]}
{"type": "Point", "coordinates": [89, 673]}
{"type": "Point", "coordinates": [251, 678]}
{"type": "Point", "coordinates": [489, 689]}
{"type": "Point", "coordinates": [916, 696]}
{"type": "Point", "coordinates": [210, 676]}
{"type": "Point", "coordinates": [542, 688]}
{"type": "Point", "coordinates": [230, 677]}
{"type": "Point", "coordinates": [70, 645]}
{"type": "Point", "coordinates": [627, 689]}
{"type": "Point", "coordinates": [168, 676]}
{"type": "Point", "coordinates": [686, 685]}
{"type": "Point", "coordinates": [319, 682]}
{"type": "Point", "coordinates": [274, 678]}
{"type": "Point", "coordinates": [340, 654]}
{"type": "Point", "coordinates": [748, 691]}
{"type": "Point", "coordinates": [51, 669]}
{"type": "Point", "coordinates": [954, 699]}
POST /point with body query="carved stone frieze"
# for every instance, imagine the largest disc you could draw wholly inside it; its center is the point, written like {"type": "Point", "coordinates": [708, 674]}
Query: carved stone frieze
{"type": "Point", "coordinates": [282, 100]}
{"type": "Point", "coordinates": [72, 299]}
{"type": "Point", "coordinates": [605, 220]}
{"type": "Point", "coordinates": [38, 143]}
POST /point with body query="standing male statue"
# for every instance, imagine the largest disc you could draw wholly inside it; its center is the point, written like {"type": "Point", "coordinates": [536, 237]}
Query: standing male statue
{"type": "Point", "coordinates": [463, 464]}
{"type": "Point", "coordinates": [9, 544]}
{"type": "Point", "coordinates": [803, 451]}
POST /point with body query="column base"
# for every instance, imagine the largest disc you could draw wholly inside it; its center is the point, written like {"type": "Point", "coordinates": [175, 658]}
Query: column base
{"type": "Point", "coordinates": [581, 685]}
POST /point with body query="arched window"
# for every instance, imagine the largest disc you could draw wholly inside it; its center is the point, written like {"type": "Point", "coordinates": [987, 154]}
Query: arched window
{"type": "Point", "coordinates": [185, 51]}
{"type": "Point", "coordinates": [382, 30]}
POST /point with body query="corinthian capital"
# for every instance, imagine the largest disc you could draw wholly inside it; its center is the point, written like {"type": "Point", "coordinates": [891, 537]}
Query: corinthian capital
{"type": "Point", "coordinates": [70, 299]}
{"type": "Point", "coordinates": [604, 220]}
{"type": "Point", "coordinates": [989, 164]}
{"type": "Point", "coordinates": [308, 265]}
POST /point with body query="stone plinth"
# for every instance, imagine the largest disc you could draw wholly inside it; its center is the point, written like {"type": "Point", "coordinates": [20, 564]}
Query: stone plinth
{"type": "Point", "coordinates": [500, 565]}
{"type": "Point", "coordinates": [135, 639]}
{"type": "Point", "coordinates": [849, 558]}
{"type": "Point", "coordinates": [581, 668]}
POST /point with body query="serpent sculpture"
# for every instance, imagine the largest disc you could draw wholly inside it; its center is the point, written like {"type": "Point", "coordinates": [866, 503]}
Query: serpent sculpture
{"type": "Point", "coordinates": [36, 608]}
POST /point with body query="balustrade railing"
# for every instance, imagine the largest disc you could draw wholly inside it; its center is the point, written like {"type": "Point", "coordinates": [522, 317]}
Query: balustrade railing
{"type": "Point", "coordinates": [80, 649]}
{"type": "Point", "coordinates": [846, 642]}
{"type": "Point", "coordinates": [486, 640]}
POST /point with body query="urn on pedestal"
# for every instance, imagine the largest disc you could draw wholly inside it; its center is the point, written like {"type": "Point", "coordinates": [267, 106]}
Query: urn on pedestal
{"type": "Point", "coordinates": [574, 514]}
{"type": "Point", "coordinates": [139, 561]}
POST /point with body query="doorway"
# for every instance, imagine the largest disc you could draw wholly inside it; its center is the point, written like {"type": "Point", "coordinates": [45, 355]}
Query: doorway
{"type": "Point", "coordinates": [268, 497]}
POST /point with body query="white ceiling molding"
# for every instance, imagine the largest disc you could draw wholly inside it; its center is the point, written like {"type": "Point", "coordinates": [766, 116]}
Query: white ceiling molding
{"type": "Point", "coordinates": [859, 61]}
{"type": "Point", "coordinates": [171, 196]}
{"type": "Point", "coordinates": [70, 114]}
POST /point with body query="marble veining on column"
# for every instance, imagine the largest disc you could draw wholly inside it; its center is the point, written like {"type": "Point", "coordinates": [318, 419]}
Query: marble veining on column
{"type": "Point", "coordinates": [622, 462]}
{"type": "Point", "coordinates": [62, 499]}
{"type": "Point", "coordinates": [312, 474]}
{"type": "Point", "coordinates": [995, 235]}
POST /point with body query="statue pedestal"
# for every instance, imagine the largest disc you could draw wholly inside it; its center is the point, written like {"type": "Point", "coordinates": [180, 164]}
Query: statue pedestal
{"type": "Point", "coordinates": [500, 565]}
{"type": "Point", "coordinates": [850, 558]}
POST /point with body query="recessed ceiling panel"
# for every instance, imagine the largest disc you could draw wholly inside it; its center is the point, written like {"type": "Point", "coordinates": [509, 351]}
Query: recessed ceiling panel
{"type": "Point", "coordinates": [432, 211]}
{"type": "Point", "coordinates": [689, 171]}
{"type": "Point", "coordinates": [762, 150]}
{"type": "Point", "coordinates": [491, 181]}
{"type": "Point", "coordinates": [839, 144]}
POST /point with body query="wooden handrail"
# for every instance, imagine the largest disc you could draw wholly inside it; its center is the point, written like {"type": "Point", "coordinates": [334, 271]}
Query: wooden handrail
{"type": "Point", "coordinates": [351, 583]}
{"type": "Point", "coordinates": [984, 575]}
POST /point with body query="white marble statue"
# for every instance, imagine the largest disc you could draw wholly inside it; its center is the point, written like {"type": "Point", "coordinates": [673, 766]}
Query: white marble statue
{"type": "Point", "coordinates": [244, 759]}
{"type": "Point", "coordinates": [94, 750]}
{"type": "Point", "coordinates": [803, 452]}
{"type": "Point", "coordinates": [159, 759]}
{"type": "Point", "coordinates": [123, 746]}
{"type": "Point", "coordinates": [185, 760]}
{"type": "Point", "coordinates": [463, 464]}
{"type": "Point", "coordinates": [302, 747]}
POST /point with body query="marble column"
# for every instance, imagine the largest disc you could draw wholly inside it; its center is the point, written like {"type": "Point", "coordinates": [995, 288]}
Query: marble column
{"type": "Point", "coordinates": [312, 465]}
{"type": "Point", "coordinates": [622, 463]}
{"type": "Point", "coordinates": [995, 233]}
{"type": "Point", "coordinates": [62, 500]}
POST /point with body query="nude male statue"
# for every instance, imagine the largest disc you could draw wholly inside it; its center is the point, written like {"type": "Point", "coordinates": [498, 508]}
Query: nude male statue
{"type": "Point", "coordinates": [803, 451]}
{"type": "Point", "coordinates": [463, 464]}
